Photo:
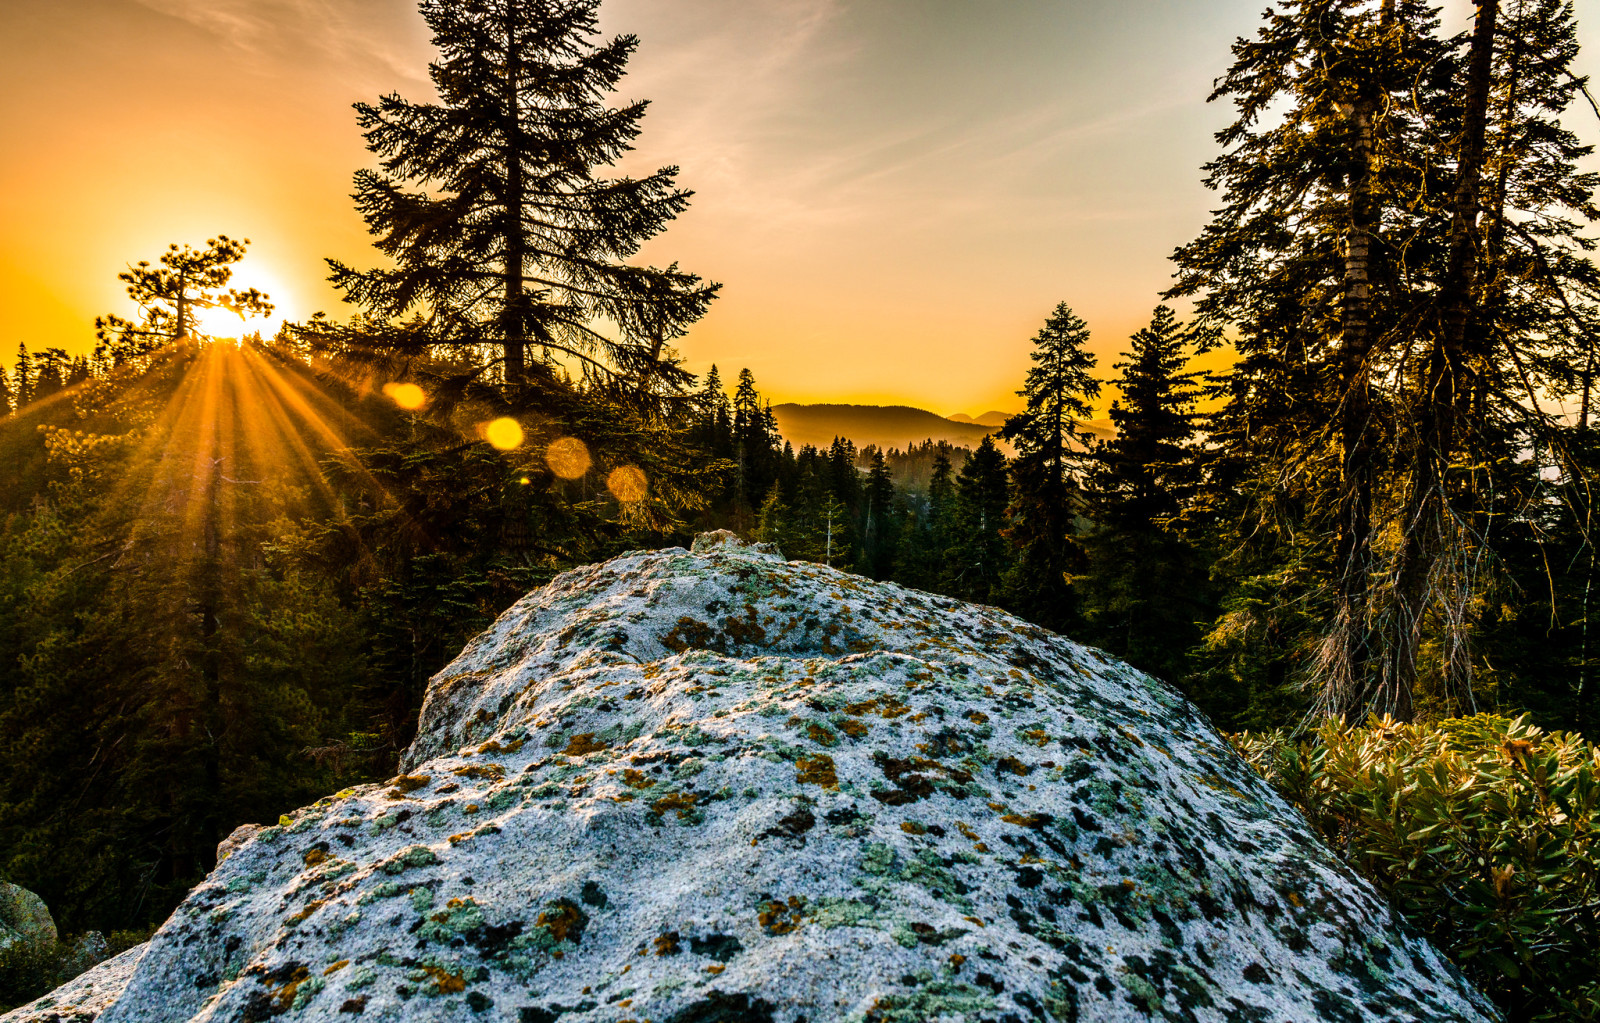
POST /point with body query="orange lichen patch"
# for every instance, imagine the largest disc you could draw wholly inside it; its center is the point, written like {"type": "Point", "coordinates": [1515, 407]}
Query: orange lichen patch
{"type": "Point", "coordinates": [406, 783]}
{"type": "Point", "coordinates": [470, 808]}
{"type": "Point", "coordinates": [1034, 821]}
{"type": "Point", "coordinates": [496, 746]}
{"type": "Point", "coordinates": [311, 907]}
{"type": "Point", "coordinates": [458, 839]}
{"type": "Point", "coordinates": [1296, 901]}
{"type": "Point", "coordinates": [913, 828]}
{"type": "Point", "coordinates": [883, 706]}
{"type": "Point", "coordinates": [966, 832]}
{"type": "Point", "coordinates": [283, 997]}
{"type": "Point", "coordinates": [636, 779]}
{"type": "Point", "coordinates": [315, 855]}
{"type": "Point", "coordinates": [336, 967]}
{"type": "Point", "coordinates": [957, 959]}
{"type": "Point", "coordinates": [821, 736]}
{"type": "Point", "coordinates": [854, 729]}
{"type": "Point", "coordinates": [1014, 766]}
{"type": "Point", "coordinates": [689, 632]}
{"type": "Point", "coordinates": [682, 802]}
{"type": "Point", "coordinates": [583, 744]}
{"type": "Point", "coordinates": [1037, 736]}
{"type": "Point", "coordinates": [817, 770]}
{"type": "Point", "coordinates": [444, 982]}
{"type": "Point", "coordinates": [715, 968]}
{"type": "Point", "coordinates": [563, 920]}
{"type": "Point", "coordinates": [998, 807]}
{"type": "Point", "coordinates": [975, 920]}
{"type": "Point", "coordinates": [491, 772]}
{"type": "Point", "coordinates": [781, 917]}
{"type": "Point", "coordinates": [667, 944]}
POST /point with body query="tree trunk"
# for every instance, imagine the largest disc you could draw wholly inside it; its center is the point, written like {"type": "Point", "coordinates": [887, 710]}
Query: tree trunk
{"type": "Point", "coordinates": [1429, 517]}
{"type": "Point", "coordinates": [514, 314]}
{"type": "Point", "coordinates": [1349, 682]}
{"type": "Point", "coordinates": [1350, 670]}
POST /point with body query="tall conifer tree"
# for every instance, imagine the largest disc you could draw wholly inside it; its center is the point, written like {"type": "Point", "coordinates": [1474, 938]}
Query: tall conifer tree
{"type": "Point", "coordinates": [491, 203]}
{"type": "Point", "coordinates": [1144, 593]}
{"type": "Point", "coordinates": [1400, 258]}
{"type": "Point", "coordinates": [1050, 447]}
{"type": "Point", "coordinates": [979, 555]}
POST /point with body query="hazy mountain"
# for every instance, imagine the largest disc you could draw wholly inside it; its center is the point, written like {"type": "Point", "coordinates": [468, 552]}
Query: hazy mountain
{"type": "Point", "coordinates": [990, 418]}
{"type": "Point", "coordinates": [889, 426]}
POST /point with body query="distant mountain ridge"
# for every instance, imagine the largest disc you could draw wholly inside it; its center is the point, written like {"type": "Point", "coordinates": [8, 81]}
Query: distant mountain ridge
{"type": "Point", "coordinates": [887, 426]}
{"type": "Point", "coordinates": [890, 426]}
{"type": "Point", "coordinates": [991, 418]}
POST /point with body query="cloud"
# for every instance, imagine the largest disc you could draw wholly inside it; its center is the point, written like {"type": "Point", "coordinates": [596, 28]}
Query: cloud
{"type": "Point", "coordinates": [383, 38]}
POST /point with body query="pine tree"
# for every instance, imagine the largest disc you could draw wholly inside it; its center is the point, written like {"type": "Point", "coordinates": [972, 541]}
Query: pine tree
{"type": "Point", "coordinates": [7, 394]}
{"type": "Point", "coordinates": [1050, 446]}
{"type": "Point", "coordinates": [1399, 257]}
{"type": "Point", "coordinates": [713, 419]}
{"type": "Point", "coordinates": [168, 296]}
{"type": "Point", "coordinates": [979, 556]}
{"type": "Point", "coordinates": [508, 236]}
{"type": "Point", "coordinates": [1148, 472]}
{"type": "Point", "coordinates": [880, 531]}
{"type": "Point", "coordinates": [23, 377]}
{"type": "Point", "coordinates": [1144, 593]}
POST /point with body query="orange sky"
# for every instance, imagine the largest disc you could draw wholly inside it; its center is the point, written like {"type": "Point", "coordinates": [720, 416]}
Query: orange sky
{"type": "Point", "coordinates": [894, 192]}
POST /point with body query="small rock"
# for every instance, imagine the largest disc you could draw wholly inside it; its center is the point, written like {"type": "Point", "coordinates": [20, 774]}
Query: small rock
{"type": "Point", "coordinates": [727, 542]}
{"type": "Point", "coordinates": [24, 918]}
{"type": "Point", "coordinates": [242, 834]}
{"type": "Point", "coordinates": [86, 952]}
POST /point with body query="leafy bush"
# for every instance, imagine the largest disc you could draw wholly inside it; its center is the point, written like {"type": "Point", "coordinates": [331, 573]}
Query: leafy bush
{"type": "Point", "coordinates": [1483, 832]}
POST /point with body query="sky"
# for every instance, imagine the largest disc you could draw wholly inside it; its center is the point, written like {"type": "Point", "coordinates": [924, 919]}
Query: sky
{"type": "Point", "coordinates": [894, 193]}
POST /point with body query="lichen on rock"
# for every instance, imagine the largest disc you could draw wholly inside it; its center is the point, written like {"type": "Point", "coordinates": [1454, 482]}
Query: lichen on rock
{"type": "Point", "coordinates": [25, 920]}
{"type": "Point", "coordinates": [713, 785]}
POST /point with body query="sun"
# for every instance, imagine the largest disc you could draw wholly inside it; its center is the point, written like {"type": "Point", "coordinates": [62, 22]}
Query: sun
{"type": "Point", "coordinates": [221, 323]}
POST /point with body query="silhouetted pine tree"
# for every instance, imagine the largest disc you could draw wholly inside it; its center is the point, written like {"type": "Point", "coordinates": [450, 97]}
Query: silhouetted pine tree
{"type": "Point", "coordinates": [1144, 594]}
{"type": "Point", "coordinates": [979, 555]}
{"type": "Point", "coordinates": [1046, 495]}
{"type": "Point", "coordinates": [23, 376]}
{"type": "Point", "coordinates": [508, 236]}
{"type": "Point", "coordinates": [880, 514]}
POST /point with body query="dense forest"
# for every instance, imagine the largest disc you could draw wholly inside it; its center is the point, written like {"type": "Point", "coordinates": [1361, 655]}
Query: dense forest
{"type": "Point", "coordinates": [229, 567]}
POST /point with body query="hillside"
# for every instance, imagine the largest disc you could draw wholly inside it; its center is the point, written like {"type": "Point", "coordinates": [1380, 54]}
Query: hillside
{"type": "Point", "coordinates": [890, 426]}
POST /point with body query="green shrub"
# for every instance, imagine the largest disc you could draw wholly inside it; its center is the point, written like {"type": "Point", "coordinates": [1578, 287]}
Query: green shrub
{"type": "Point", "coordinates": [1483, 832]}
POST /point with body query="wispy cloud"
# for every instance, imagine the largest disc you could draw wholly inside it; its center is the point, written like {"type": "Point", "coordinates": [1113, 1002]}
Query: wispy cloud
{"type": "Point", "coordinates": [367, 36]}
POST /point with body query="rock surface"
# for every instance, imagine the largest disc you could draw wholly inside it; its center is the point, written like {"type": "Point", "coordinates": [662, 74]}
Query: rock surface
{"type": "Point", "coordinates": [690, 787]}
{"type": "Point", "coordinates": [84, 997]}
{"type": "Point", "coordinates": [24, 918]}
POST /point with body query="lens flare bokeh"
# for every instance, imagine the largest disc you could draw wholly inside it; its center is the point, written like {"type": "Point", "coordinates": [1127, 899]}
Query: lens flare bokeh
{"type": "Point", "coordinates": [628, 484]}
{"type": "Point", "coordinates": [408, 396]}
{"type": "Point", "coordinates": [568, 458]}
{"type": "Point", "coordinates": [504, 433]}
